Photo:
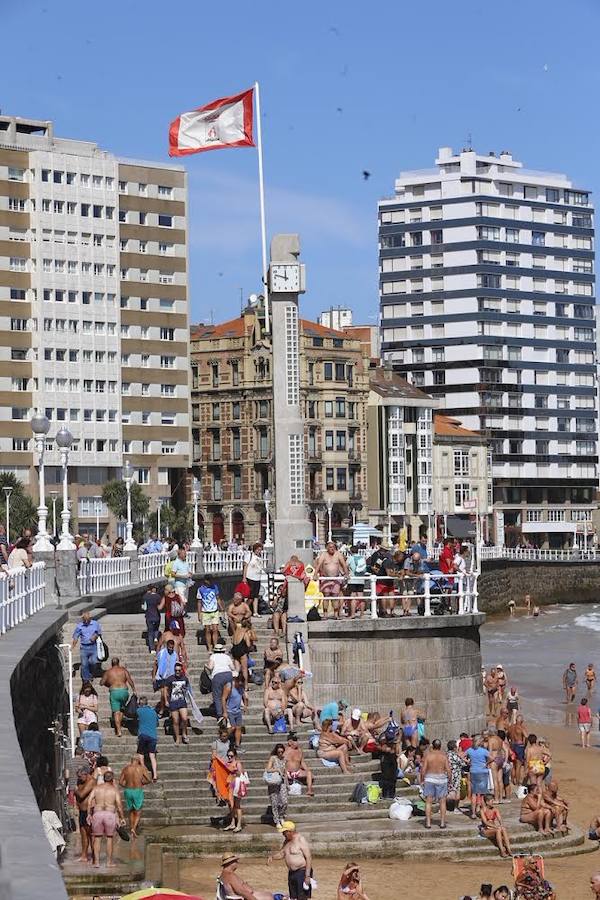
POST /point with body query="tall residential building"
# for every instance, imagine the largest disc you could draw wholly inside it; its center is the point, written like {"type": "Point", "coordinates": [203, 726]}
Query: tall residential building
{"type": "Point", "coordinates": [487, 302]}
{"type": "Point", "coordinates": [232, 424]}
{"type": "Point", "coordinates": [93, 313]}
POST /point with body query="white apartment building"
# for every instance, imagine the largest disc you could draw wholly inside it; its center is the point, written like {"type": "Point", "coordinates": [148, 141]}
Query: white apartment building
{"type": "Point", "coordinates": [93, 313]}
{"type": "Point", "coordinates": [487, 303]}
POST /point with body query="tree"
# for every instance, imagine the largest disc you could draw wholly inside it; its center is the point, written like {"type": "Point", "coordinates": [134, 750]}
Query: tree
{"type": "Point", "coordinates": [23, 511]}
{"type": "Point", "coordinates": [114, 494]}
{"type": "Point", "coordinates": [179, 521]}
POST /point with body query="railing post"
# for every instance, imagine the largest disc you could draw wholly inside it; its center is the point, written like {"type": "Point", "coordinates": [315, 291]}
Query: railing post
{"type": "Point", "coordinates": [461, 596]}
{"type": "Point", "coordinates": [474, 603]}
{"type": "Point", "coordinates": [373, 595]}
{"type": "Point", "coordinates": [427, 588]}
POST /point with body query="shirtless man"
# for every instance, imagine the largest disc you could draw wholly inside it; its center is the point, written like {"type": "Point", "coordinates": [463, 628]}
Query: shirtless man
{"type": "Point", "coordinates": [558, 806]}
{"type": "Point", "coordinates": [238, 611]}
{"type": "Point", "coordinates": [570, 681]}
{"type": "Point", "coordinates": [273, 657]}
{"type": "Point", "coordinates": [275, 701]}
{"type": "Point", "coordinates": [105, 812]}
{"type": "Point", "coordinates": [133, 778]}
{"type": "Point", "coordinates": [173, 633]}
{"type": "Point", "coordinates": [435, 772]}
{"type": "Point", "coordinates": [528, 603]}
{"type": "Point", "coordinates": [118, 681]}
{"type": "Point", "coordinates": [298, 703]}
{"type": "Point", "coordinates": [298, 859]}
{"type": "Point", "coordinates": [295, 763]}
{"type": "Point", "coordinates": [408, 719]}
{"type": "Point", "coordinates": [491, 690]}
{"type": "Point", "coordinates": [333, 568]}
{"type": "Point", "coordinates": [85, 785]}
{"type": "Point", "coordinates": [234, 885]}
{"type": "Point", "coordinates": [517, 735]}
{"type": "Point", "coordinates": [356, 729]}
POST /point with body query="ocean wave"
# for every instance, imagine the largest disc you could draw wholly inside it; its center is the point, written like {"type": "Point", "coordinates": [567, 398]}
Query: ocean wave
{"type": "Point", "coordinates": [591, 621]}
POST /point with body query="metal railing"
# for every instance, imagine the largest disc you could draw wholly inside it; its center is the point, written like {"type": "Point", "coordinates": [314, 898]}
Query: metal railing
{"type": "Point", "coordinates": [427, 593]}
{"type": "Point", "coordinates": [97, 575]}
{"type": "Point", "coordinates": [529, 554]}
{"type": "Point", "coordinates": [216, 561]}
{"type": "Point", "coordinates": [22, 593]}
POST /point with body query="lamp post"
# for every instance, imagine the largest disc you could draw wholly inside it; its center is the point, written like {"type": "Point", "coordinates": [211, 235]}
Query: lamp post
{"type": "Point", "coordinates": [329, 511]}
{"type": "Point", "coordinates": [128, 478]}
{"type": "Point", "coordinates": [40, 427]}
{"type": "Point", "coordinates": [7, 492]}
{"type": "Point", "coordinates": [97, 509]}
{"type": "Point", "coordinates": [158, 509]}
{"type": "Point", "coordinates": [389, 526]}
{"type": "Point", "coordinates": [195, 497]}
{"type": "Point", "coordinates": [64, 439]}
{"type": "Point", "coordinates": [54, 495]}
{"type": "Point", "coordinates": [268, 539]}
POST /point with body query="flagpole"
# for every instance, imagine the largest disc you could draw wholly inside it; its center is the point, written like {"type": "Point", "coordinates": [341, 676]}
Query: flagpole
{"type": "Point", "coordinates": [261, 189]}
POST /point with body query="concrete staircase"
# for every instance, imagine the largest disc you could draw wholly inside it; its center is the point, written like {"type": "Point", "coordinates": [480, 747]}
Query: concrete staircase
{"type": "Point", "coordinates": [178, 809]}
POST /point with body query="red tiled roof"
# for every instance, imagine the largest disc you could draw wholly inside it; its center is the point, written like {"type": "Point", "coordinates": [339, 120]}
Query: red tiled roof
{"type": "Point", "coordinates": [232, 328]}
{"type": "Point", "coordinates": [448, 427]}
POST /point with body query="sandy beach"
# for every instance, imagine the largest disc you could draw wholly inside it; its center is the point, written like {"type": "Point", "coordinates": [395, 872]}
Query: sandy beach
{"type": "Point", "coordinates": [386, 879]}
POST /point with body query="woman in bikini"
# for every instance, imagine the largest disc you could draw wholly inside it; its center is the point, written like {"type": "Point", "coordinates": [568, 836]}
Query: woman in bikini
{"type": "Point", "coordinates": [334, 747]}
{"type": "Point", "coordinates": [238, 788]}
{"type": "Point", "coordinates": [243, 638]}
{"type": "Point", "coordinates": [350, 887]}
{"type": "Point", "coordinates": [492, 828]}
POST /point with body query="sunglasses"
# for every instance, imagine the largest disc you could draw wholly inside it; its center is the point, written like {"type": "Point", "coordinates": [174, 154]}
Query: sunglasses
{"type": "Point", "coordinates": [230, 756]}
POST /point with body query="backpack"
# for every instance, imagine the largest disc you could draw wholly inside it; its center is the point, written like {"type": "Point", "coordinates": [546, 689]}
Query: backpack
{"type": "Point", "coordinates": [360, 564]}
{"type": "Point", "coordinates": [280, 725]}
{"type": "Point", "coordinates": [168, 572]}
{"type": "Point", "coordinates": [373, 792]}
{"type": "Point", "coordinates": [359, 794]}
{"type": "Point", "coordinates": [130, 708]}
{"type": "Point", "coordinates": [177, 609]}
{"type": "Point", "coordinates": [313, 615]}
{"type": "Point", "coordinates": [392, 730]}
{"type": "Point", "coordinates": [205, 682]}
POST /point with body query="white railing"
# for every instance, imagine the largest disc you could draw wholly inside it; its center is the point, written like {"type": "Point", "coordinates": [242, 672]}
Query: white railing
{"type": "Point", "coordinates": [22, 593]}
{"type": "Point", "coordinates": [152, 565]}
{"type": "Point", "coordinates": [97, 575]}
{"type": "Point", "coordinates": [427, 593]}
{"type": "Point", "coordinates": [216, 561]}
{"type": "Point", "coordinates": [529, 554]}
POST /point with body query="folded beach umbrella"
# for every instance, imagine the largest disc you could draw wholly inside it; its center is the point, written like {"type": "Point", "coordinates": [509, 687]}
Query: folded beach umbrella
{"type": "Point", "coordinates": [159, 894]}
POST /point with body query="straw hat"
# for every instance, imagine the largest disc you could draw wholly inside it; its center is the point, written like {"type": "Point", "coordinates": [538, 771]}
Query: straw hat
{"type": "Point", "coordinates": [228, 858]}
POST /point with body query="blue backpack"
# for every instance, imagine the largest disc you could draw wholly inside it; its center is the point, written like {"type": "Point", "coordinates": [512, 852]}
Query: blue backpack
{"type": "Point", "coordinates": [280, 725]}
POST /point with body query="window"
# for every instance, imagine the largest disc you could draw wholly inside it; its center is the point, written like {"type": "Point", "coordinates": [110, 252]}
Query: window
{"type": "Point", "coordinates": [439, 377]}
{"type": "Point", "coordinates": [167, 334]}
{"type": "Point", "coordinates": [512, 235]}
{"type": "Point", "coordinates": [85, 210]}
{"type": "Point", "coordinates": [18, 264]}
{"type": "Point", "coordinates": [165, 221]}
{"type": "Point", "coordinates": [462, 492]}
{"type": "Point", "coordinates": [340, 440]}
{"type": "Point", "coordinates": [329, 440]}
{"type": "Point", "coordinates": [437, 236]}
{"type": "Point", "coordinates": [164, 191]}
{"type": "Point", "coordinates": [340, 371]}
{"type": "Point", "coordinates": [16, 204]}
{"type": "Point", "coordinates": [340, 479]}
{"type": "Point", "coordinates": [340, 408]}
{"type": "Point", "coordinates": [329, 479]}
{"type": "Point", "coordinates": [235, 410]}
{"type": "Point", "coordinates": [488, 233]}
{"type": "Point", "coordinates": [328, 409]}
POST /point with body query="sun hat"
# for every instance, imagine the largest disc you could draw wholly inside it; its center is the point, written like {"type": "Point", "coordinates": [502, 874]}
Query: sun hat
{"type": "Point", "coordinates": [288, 826]}
{"type": "Point", "coordinates": [229, 858]}
{"type": "Point", "coordinates": [356, 714]}
{"type": "Point", "coordinates": [219, 648]}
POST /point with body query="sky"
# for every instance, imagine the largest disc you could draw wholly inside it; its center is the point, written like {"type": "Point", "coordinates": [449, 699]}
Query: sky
{"type": "Point", "coordinates": [345, 87]}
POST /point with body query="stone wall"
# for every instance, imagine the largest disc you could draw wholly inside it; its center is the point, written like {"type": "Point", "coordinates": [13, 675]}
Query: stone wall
{"type": "Point", "coordinates": [376, 663]}
{"type": "Point", "coordinates": [27, 861]}
{"type": "Point", "coordinates": [553, 582]}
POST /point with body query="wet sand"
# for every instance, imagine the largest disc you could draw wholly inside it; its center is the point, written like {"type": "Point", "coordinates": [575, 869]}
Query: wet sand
{"type": "Point", "coordinates": [576, 771]}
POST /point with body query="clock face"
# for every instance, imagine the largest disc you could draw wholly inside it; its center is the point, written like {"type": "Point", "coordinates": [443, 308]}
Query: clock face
{"type": "Point", "coordinates": [285, 278]}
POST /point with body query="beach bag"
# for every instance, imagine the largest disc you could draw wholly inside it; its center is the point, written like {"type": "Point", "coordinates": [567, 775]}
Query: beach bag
{"type": "Point", "coordinates": [295, 789]}
{"type": "Point", "coordinates": [205, 682]}
{"type": "Point", "coordinates": [257, 677]}
{"type": "Point", "coordinates": [101, 650]}
{"type": "Point", "coordinates": [360, 564]}
{"type": "Point", "coordinates": [280, 725]}
{"type": "Point", "coordinates": [273, 779]}
{"type": "Point", "coordinates": [401, 809]}
{"type": "Point", "coordinates": [313, 615]}
{"type": "Point", "coordinates": [392, 730]}
{"type": "Point", "coordinates": [313, 742]}
{"type": "Point", "coordinates": [130, 708]}
{"type": "Point", "coordinates": [359, 794]}
{"type": "Point", "coordinates": [168, 571]}
{"type": "Point", "coordinates": [373, 792]}
{"type": "Point", "coordinates": [177, 609]}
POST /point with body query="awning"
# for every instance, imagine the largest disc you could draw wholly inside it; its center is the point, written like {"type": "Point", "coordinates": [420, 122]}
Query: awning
{"type": "Point", "coordinates": [362, 531]}
{"type": "Point", "coordinates": [460, 528]}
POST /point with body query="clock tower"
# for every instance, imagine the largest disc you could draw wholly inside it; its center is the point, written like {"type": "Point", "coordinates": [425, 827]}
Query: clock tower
{"type": "Point", "coordinates": [293, 530]}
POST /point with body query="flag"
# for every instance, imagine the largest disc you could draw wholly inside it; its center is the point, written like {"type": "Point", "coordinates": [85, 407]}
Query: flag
{"type": "Point", "coordinates": [223, 123]}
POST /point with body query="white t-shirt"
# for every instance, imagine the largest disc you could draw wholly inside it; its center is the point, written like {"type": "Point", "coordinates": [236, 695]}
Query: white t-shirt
{"type": "Point", "coordinates": [255, 566]}
{"type": "Point", "coordinates": [459, 564]}
{"type": "Point", "coordinates": [220, 662]}
{"type": "Point", "coordinates": [17, 558]}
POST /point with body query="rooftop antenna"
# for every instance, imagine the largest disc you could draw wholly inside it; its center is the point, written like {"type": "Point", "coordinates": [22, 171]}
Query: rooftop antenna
{"type": "Point", "coordinates": [212, 317]}
{"type": "Point", "coordinates": [241, 300]}
{"type": "Point", "coordinates": [469, 145]}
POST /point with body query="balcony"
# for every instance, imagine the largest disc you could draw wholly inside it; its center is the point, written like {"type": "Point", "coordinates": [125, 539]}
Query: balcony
{"type": "Point", "coordinates": [314, 457]}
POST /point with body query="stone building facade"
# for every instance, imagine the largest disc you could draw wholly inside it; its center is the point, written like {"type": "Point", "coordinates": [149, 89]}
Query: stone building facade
{"type": "Point", "coordinates": [232, 427]}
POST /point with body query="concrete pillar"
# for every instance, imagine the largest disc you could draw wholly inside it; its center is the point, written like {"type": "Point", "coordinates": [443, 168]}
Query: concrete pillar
{"type": "Point", "coordinates": [47, 557]}
{"type": "Point", "coordinates": [66, 574]}
{"type": "Point", "coordinates": [296, 607]}
{"type": "Point", "coordinates": [133, 565]}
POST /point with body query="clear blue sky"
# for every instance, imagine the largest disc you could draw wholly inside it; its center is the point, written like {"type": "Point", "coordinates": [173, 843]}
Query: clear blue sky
{"type": "Point", "coordinates": [346, 86]}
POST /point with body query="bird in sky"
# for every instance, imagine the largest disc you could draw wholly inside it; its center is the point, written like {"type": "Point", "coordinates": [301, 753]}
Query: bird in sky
{"type": "Point", "coordinates": [366, 175]}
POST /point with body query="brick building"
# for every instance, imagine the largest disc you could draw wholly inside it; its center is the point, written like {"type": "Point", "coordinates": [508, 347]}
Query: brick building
{"type": "Point", "coordinates": [232, 428]}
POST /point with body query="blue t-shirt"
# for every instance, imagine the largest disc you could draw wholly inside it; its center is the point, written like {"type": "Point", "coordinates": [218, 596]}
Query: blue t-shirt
{"type": "Point", "coordinates": [234, 701]}
{"type": "Point", "coordinates": [420, 548]}
{"type": "Point", "coordinates": [87, 633]}
{"type": "Point", "coordinates": [478, 757]}
{"type": "Point", "coordinates": [165, 663]}
{"type": "Point", "coordinates": [208, 595]}
{"type": "Point", "coordinates": [91, 740]}
{"type": "Point", "coordinates": [147, 721]}
{"type": "Point", "coordinates": [329, 711]}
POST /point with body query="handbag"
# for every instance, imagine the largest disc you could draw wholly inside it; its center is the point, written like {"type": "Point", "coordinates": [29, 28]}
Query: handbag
{"type": "Point", "coordinates": [205, 682]}
{"type": "Point", "coordinates": [130, 708]}
{"type": "Point", "coordinates": [101, 649]}
{"type": "Point", "coordinates": [272, 778]}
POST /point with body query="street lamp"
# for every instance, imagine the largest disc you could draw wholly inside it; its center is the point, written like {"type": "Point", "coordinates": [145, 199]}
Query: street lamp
{"type": "Point", "coordinates": [329, 511]}
{"type": "Point", "coordinates": [158, 509]}
{"type": "Point", "coordinates": [389, 526]}
{"type": "Point", "coordinates": [195, 497]}
{"type": "Point", "coordinates": [7, 492]}
{"type": "Point", "coordinates": [64, 439]}
{"type": "Point", "coordinates": [40, 426]}
{"type": "Point", "coordinates": [128, 478]}
{"type": "Point", "coordinates": [97, 508]}
{"type": "Point", "coordinates": [54, 495]}
{"type": "Point", "coordinates": [267, 499]}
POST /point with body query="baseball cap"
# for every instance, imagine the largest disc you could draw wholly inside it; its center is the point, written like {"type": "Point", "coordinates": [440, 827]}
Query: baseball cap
{"type": "Point", "coordinates": [288, 826]}
{"type": "Point", "coordinates": [356, 714]}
